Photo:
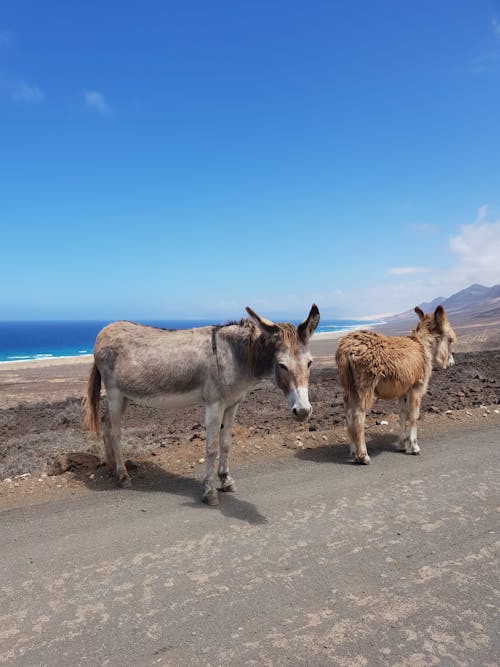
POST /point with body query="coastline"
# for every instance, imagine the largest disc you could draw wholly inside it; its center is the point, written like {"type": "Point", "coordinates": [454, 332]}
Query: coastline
{"type": "Point", "coordinates": [24, 364]}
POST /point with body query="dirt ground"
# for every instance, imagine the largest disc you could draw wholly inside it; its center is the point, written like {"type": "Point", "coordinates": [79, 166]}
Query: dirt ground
{"type": "Point", "coordinates": [43, 445]}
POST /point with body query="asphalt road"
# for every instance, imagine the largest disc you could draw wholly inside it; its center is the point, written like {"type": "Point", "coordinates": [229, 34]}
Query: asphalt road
{"type": "Point", "coordinates": [313, 562]}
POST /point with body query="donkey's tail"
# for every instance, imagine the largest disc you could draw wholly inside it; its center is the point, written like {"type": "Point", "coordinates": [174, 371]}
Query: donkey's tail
{"type": "Point", "coordinates": [346, 375]}
{"type": "Point", "coordinates": [92, 401]}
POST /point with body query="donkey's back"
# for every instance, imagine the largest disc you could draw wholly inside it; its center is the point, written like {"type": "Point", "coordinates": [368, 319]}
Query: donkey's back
{"type": "Point", "coordinates": [370, 363]}
{"type": "Point", "coordinates": [144, 362]}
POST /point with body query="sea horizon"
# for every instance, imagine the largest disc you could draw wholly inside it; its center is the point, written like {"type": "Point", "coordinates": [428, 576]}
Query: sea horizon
{"type": "Point", "coordinates": [32, 340]}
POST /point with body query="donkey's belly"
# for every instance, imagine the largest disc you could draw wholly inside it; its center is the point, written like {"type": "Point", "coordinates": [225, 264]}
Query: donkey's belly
{"type": "Point", "coordinates": [389, 390]}
{"type": "Point", "coordinates": [170, 401]}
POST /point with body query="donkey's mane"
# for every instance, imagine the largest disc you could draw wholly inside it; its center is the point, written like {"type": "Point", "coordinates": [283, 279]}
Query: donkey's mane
{"type": "Point", "coordinates": [258, 348]}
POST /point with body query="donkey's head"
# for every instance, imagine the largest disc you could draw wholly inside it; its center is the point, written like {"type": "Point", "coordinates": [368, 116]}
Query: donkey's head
{"type": "Point", "coordinates": [442, 336]}
{"type": "Point", "coordinates": [292, 359]}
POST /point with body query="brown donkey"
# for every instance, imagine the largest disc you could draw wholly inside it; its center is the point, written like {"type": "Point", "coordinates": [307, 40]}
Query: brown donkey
{"type": "Point", "coordinates": [214, 366]}
{"type": "Point", "coordinates": [373, 365]}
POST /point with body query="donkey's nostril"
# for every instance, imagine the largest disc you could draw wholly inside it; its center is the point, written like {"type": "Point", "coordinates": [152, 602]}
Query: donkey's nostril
{"type": "Point", "coordinates": [294, 411]}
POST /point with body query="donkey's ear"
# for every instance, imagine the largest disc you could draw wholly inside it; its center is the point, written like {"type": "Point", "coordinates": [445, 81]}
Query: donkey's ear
{"type": "Point", "coordinates": [308, 326]}
{"type": "Point", "coordinates": [419, 312]}
{"type": "Point", "coordinates": [263, 324]}
{"type": "Point", "coordinates": [440, 317]}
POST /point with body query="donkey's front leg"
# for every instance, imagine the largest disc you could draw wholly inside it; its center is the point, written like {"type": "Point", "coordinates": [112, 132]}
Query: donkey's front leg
{"type": "Point", "coordinates": [404, 437]}
{"type": "Point", "coordinates": [414, 400]}
{"type": "Point", "coordinates": [213, 421]}
{"type": "Point", "coordinates": [227, 482]}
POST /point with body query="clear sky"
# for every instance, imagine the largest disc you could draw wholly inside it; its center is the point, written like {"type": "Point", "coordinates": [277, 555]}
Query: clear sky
{"type": "Point", "coordinates": [178, 159]}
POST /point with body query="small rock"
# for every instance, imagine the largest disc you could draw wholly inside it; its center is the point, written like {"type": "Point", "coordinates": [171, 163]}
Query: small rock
{"type": "Point", "coordinates": [201, 460]}
{"type": "Point", "coordinates": [448, 412]}
{"type": "Point", "coordinates": [323, 437]}
{"type": "Point", "coordinates": [382, 422]}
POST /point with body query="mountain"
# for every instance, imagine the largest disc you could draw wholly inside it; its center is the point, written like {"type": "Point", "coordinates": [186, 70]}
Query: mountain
{"type": "Point", "coordinates": [474, 304]}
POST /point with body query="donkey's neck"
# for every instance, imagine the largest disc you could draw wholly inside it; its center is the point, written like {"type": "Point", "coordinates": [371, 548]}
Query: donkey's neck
{"type": "Point", "coordinates": [254, 350]}
{"type": "Point", "coordinates": [261, 356]}
{"type": "Point", "coordinates": [425, 340]}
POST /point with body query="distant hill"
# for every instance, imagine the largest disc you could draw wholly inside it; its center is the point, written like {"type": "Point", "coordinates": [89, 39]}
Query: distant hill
{"type": "Point", "coordinates": [474, 304]}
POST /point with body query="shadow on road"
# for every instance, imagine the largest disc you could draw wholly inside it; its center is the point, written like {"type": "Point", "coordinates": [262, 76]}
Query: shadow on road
{"type": "Point", "coordinates": [150, 477]}
{"type": "Point", "coordinates": [341, 454]}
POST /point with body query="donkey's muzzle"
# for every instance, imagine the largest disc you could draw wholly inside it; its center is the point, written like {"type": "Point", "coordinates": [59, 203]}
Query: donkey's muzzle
{"type": "Point", "coordinates": [298, 402]}
{"type": "Point", "coordinates": [301, 414]}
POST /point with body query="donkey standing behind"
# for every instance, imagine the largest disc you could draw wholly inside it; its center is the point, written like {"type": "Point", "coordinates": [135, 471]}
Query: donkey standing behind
{"type": "Point", "coordinates": [214, 365]}
{"type": "Point", "coordinates": [371, 364]}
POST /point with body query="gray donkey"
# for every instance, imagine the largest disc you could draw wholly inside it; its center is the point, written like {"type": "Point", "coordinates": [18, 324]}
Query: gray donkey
{"type": "Point", "coordinates": [213, 365]}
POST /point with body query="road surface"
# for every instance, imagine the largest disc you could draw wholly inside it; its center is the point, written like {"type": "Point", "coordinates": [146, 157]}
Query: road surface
{"type": "Point", "coordinates": [313, 562]}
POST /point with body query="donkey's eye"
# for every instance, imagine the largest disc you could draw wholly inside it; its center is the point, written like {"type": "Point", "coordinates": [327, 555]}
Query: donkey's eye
{"type": "Point", "coordinates": [283, 367]}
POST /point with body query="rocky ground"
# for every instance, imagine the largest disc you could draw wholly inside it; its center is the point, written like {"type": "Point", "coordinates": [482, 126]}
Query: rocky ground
{"type": "Point", "coordinates": [46, 437]}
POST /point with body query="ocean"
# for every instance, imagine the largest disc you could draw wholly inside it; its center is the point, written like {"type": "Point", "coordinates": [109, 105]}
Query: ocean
{"type": "Point", "coordinates": [27, 341]}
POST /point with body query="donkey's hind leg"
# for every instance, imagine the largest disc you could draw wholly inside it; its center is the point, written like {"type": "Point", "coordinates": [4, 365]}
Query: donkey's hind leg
{"type": "Point", "coordinates": [355, 418]}
{"type": "Point", "coordinates": [227, 482]}
{"type": "Point", "coordinates": [109, 454]}
{"type": "Point", "coordinates": [112, 442]}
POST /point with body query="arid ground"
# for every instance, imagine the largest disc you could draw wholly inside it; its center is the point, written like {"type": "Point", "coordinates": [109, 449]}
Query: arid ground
{"type": "Point", "coordinates": [43, 445]}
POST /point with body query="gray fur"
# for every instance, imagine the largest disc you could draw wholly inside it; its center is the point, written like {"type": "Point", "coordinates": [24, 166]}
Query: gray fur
{"type": "Point", "coordinates": [215, 366]}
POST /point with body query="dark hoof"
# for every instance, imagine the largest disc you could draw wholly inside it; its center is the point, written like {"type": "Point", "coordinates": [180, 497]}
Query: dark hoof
{"type": "Point", "coordinates": [362, 461]}
{"type": "Point", "coordinates": [415, 453]}
{"type": "Point", "coordinates": [229, 488]}
{"type": "Point", "coordinates": [125, 483]}
{"type": "Point", "coordinates": [211, 498]}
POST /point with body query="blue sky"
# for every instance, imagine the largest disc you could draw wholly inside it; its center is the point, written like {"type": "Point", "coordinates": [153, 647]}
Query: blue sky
{"type": "Point", "coordinates": [185, 159]}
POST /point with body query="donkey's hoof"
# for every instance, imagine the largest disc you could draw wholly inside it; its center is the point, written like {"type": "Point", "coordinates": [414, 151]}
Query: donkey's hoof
{"type": "Point", "coordinates": [228, 488]}
{"type": "Point", "coordinates": [211, 498]}
{"type": "Point", "coordinates": [415, 453]}
{"type": "Point", "coordinates": [125, 483]}
{"type": "Point", "coordinates": [363, 460]}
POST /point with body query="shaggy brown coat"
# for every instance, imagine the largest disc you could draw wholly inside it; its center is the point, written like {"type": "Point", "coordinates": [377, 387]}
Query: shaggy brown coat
{"type": "Point", "coordinates": [373, 365]}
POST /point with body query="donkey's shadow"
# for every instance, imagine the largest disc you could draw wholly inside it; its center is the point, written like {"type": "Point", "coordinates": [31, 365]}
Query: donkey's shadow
{"type": "Point", "coordinates": [150, 477]}
{"type": "Point", "coordinates": [340, 454]}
